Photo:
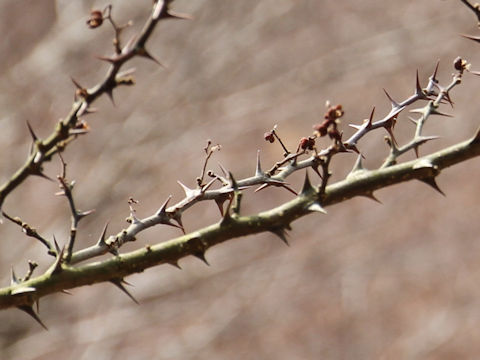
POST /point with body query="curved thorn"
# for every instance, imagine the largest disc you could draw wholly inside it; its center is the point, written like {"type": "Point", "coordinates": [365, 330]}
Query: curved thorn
{"type": "Point", "coordinates": [432, 182]}
{"type": "Point", "coordinates": [369, 195]}
{"type": "Point", "coordinates": [201, 255]}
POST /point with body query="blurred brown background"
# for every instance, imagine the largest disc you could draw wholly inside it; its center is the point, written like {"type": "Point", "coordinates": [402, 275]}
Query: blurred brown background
{"type": "Point", "coordinates": [367, 281]}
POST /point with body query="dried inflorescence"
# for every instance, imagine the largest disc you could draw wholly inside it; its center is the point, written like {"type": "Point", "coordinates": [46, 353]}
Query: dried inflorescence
{"type": "Point", "coordinates": [222, 188]}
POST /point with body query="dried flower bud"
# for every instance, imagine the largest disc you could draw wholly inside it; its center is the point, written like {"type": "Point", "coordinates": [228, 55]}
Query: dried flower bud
{"type": "Point", "coordinates": [306, 143]}
{"type": "Point", "coordinates": [303, 143]}
{"type": "Point", "coordinates": [321, 129]}
{"type": "Point", "coordinates": [268, 136]}
{"type": "Point", "coordinates": [334, 134]}
{"type": "Point", "coordinates": [460, 64]}
{"type": "Point", "coordinates": [95, 20]}
{"type": "Point", "coordinates": [334, 112]}
{"type": "Point", "coordinates": [339, 111]}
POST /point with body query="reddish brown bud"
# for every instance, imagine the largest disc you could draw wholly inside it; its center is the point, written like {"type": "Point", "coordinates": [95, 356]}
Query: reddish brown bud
{"type": "Point", "coordinates": [306, 143]}
{"type": "Point", "coordinates": [268, 136]}
{"type": "Point", "coordinates": [334, 134]}
{"type": "Point", "coordinates": [321, 129]}
{"type": "Point", "coordinates": [303, 143]}
{"type": "Point", "coordinates": [95, 20]}
{"type": "Point", "coordinates": [460, 64]}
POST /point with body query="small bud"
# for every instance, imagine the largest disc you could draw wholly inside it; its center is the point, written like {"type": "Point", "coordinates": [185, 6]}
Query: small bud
{"type": "Point", "coordinates": [268, 136]}
{"type": "Point", "coordinates": [334, 134]}
{"type": "Point", "coordinates": [321, 129]}
{"type": "Point", "coordinates": [303, 143]}
{"type": "Point", "coordinates": [460, 64]}
{"type": "Point", "coordinates": [306, 143]}
{"type": "Point", "coordinates": [95, 20]}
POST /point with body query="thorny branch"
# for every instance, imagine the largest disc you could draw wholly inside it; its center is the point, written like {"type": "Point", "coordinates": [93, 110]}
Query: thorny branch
{"type": "Point", "coordinates": [73, 124]}
{"type": "Point", "coordinates": [66, 272]}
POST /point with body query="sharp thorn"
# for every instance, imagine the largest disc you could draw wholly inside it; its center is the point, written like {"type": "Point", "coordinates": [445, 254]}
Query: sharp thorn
{"type": "Point", "coordinates": [281, 233]}
{"type": "Point", "coordinates": [14, 279]}
{"type": "Point", "coordinates": [107, 59]}
{"type": "Point", "coordinates": [77, 85]}
{"type": "Point", "coordinates": [207, 185]}
{"type": "Point", "coordinates": [57, 265]}
{"type": "Point", "coordinates": [434, 75]}
{"type": "Point", "coordinates": [42, 175]}
{"type": "Point", "coordinates": [413, 120]}
{"type": "Point", "coordinates": [178, 218]}
{"type": "Point", "coordinates": [358, 166]}
{"type": "Point", "coordinates": [23, 290]}
{"type": "Point", "coordinates": [163, 208]}
{"type": "Point", "coordinates": [418, 88]}
{"type": "Point", "coordinates": [57, 248]}
{"type": "Point", "coordinates": [261, 187]}
{"type": "Point", "coordinates": [436, 112]}
{"type": "Point", "coordinates": [175, 263]}
{"type": "Point", "coordinates": [119, 283]}
{"type": "Point", "coordinates": [225, 172]}
{"type": "Point", "coordinates": [179, 16]}
{"type": "Point", "coordinates": [316, 207]}
{"type": "Point", "coordinates": [109, 93]}
{"type": "Point", "coordinates": [370, 119]}
{"type": "Point", "coordinates": [285, 186]}
{"type": "Point", "coordinates": [258, 169]}
{"type": "Point", "coordinates": [393, 102]}
{"type": "Point", "coordinates": [470, 37]}
{"type": "Point", "coordinates": [369, 195]}
{"type": "Point", "coordinates": [82, 214]}
{"type": "Point", "coordinates": [29, 310]}
{"type": "Point", "coordinates": [233, 183]}
{"type": "Point", "coordinates": [188, 192]}
{"type": "Point", "coordinates": [315, 168]}
{"type": "Point", "coordinates": [32, 133]}
{"type": "Point", "coordinates": [144, 53]}
{"type": "Point", "coordinates": [307, 185]}
{"type": "Point", "coordinates": [431, 182]}
{"type": "Point", "coordinates": [101, 240]}
{"type": "Point", "coordinates": [201, 256]}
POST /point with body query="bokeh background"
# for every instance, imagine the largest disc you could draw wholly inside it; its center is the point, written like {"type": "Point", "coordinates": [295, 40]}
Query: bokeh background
{"type": "Point", "coordinates": [399, 280]}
